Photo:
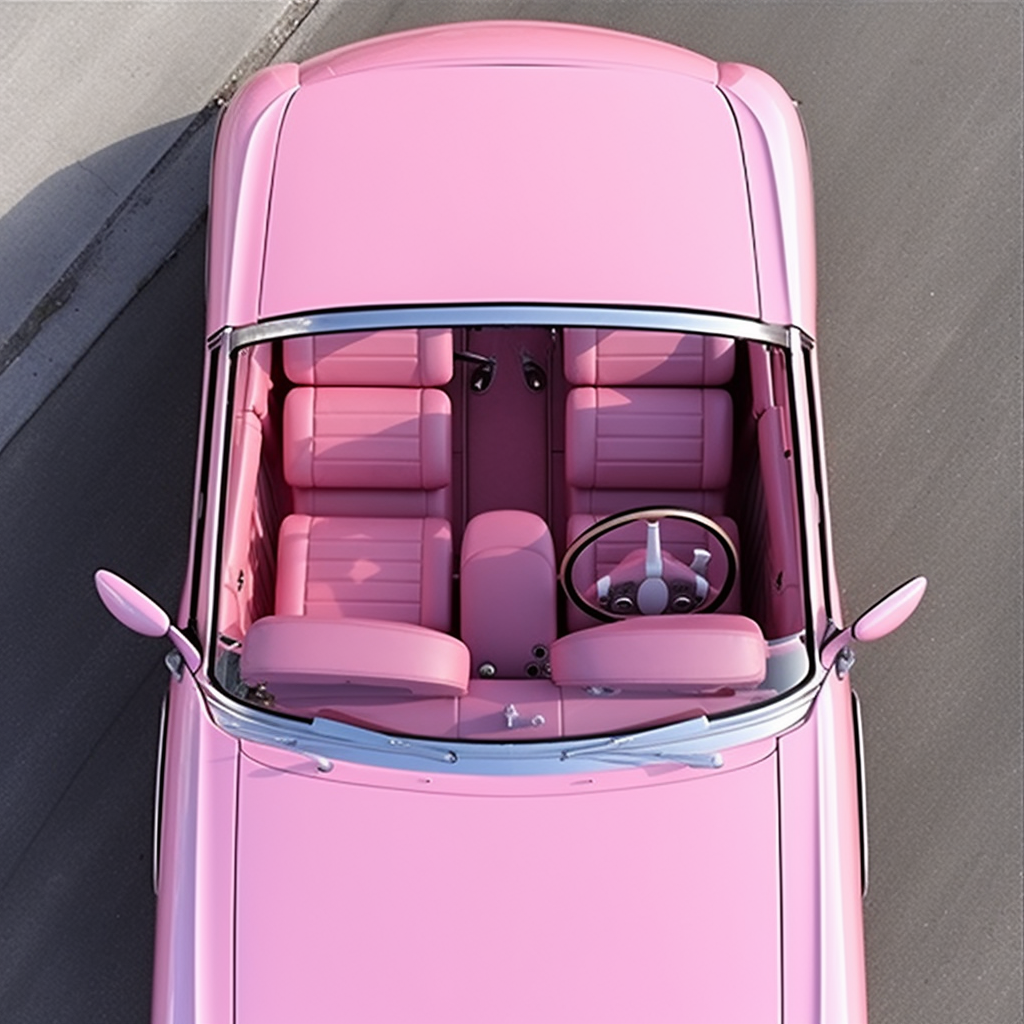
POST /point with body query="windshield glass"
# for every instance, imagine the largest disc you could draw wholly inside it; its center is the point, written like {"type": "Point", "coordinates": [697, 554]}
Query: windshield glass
{"type": "Point", "coordinates": [510, 533]}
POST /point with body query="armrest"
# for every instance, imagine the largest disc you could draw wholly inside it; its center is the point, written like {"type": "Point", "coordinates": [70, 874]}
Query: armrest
{"type": "Point", "coordinates": [355, 652]}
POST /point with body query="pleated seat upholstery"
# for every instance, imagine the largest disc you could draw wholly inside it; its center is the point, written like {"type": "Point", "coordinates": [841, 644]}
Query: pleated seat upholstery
{"type": "Point", "coordinates": [372, 568]}
{"type": "Point", "coordinates": [367, 452]}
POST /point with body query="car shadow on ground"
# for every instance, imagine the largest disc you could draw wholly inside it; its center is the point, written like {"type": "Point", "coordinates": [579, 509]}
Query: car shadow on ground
{"type": "Point", "coordinates": [50, 226]}
{"type": "Point", "coordinates": [100, 475]}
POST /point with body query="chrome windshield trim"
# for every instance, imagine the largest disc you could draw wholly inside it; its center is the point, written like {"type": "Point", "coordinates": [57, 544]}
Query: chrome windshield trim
{"type": "Point", "coordinates": [496, 315]}
{"type": "Point", "coordinates": [216, 488]}
{"type": "Point", "coordinates": [341, 742]}
{"type": "Point", "coordinates": [809, 499]}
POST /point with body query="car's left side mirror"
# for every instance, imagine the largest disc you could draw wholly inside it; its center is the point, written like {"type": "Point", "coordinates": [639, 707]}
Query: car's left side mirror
{"type": "Point", "coordinates": [142, 614]}
{"type": "Point", "coordinates": [879, 620]}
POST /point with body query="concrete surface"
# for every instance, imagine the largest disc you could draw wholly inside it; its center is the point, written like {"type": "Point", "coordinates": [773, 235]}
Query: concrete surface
{"type": "Point", "coordinates": [93, 95]}
{"type": "Point", "coordinates": [914, 113]}
{"type": "Point", "coordinates": [107, 115]}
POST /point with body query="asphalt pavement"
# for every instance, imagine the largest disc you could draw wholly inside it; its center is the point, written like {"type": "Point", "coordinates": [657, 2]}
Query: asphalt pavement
{"type": "Point", "coordinates": [914, 114]}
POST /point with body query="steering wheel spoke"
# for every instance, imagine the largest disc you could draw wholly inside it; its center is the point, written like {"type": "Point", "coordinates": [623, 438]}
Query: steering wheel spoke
{"type": "Point", "coordinates": [651, 580]}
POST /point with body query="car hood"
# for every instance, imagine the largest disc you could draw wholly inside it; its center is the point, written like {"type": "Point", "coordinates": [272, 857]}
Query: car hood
{"type": "Point", "coordinates": [633, 894]}
{"type": "Point", "coordinates": [558, 168]}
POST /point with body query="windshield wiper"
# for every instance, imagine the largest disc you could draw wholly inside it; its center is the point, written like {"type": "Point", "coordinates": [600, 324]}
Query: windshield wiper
{"type": "Point", "coordinates": [614, 755]}
{"type": "Point", "coordinates": [635, 757]}
{"type": "Point", "coordinates": [615, 749]}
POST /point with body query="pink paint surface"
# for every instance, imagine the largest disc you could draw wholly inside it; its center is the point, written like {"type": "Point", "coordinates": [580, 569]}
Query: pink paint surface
{"type": "Point", "coordinates": [193, 965]}
{"type": "Point", "coordinates": [823, 934]}
{"type": "Point", "coordinates": [239, 192]}
{"type": "Point", "coordinates": [622, 896]}
{"type": "Point", "coordinates": [781, 194]}
{"type": "Point", "coordinates": [581, 185]}
{"type": "Point", "coordinates": [609, 192]}
{"type": "Point", "coordinates": [508, 42]}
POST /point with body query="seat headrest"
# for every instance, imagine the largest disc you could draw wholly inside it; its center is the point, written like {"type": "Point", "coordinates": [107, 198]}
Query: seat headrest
{"type": "Point", "coordinates": [402, 357]}
{"type": "Point", "coordinates": [655, 358]}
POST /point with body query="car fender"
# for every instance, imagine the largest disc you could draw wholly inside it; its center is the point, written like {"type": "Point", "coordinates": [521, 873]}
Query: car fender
{"type": "Point", "coordinates": [822, 914]}
{"type": "Point", "coordinates": [194, 955]}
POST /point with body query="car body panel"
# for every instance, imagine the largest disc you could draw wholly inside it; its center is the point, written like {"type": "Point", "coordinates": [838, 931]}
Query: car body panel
{"type": "Point", "coordinates": [781, 195]}
{"type": "Point", "coordinates": [509, 42]}
{"type": "Point", "coordinates": [581, 897]}
{"type": "Point", "coordinates": [194, 964]}
{"type": "Point", "coordinates": [823, 940]}
{"type": "Point", "coordinates": [605, 181]}
{"type": "Point", "coordinates": [796, 809]}
{"type": "Point", "coordinates": [240, 184]}
{"type": "Point", "coordinates": [762, 246]}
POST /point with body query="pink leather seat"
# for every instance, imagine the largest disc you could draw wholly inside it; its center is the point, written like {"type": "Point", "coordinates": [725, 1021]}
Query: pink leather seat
{"type": "Point", "coordinates": [331, 567]}
{"type": "Point", "coordinates": [691, 654]}
{"type": "Point", "coordinates": [647, 424]}
{"type": "Point", "coordinates": [367, 452]}
{"type": "Point", "coordinates": [401, 357]}
{"type": "Point", "coordinates": [646, 446]}
{"type": "Point", "coordinates": [647, 358]}
{"type": "Point", "coordinates": [356, 655]}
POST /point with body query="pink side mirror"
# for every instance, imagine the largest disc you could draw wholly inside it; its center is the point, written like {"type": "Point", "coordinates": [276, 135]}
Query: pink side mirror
{"type": "Point", "coordinates": [891, 612]}
{"type": "Point", "coordinates": [879, 620]}
{"type": "Point", "coordinates": [130, 606]}
{"type": "Point", "coordinates": [141, 614]}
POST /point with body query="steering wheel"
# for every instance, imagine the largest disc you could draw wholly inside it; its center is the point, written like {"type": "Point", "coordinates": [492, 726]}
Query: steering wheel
{"type": "Point", "coordinates": [649, 581]}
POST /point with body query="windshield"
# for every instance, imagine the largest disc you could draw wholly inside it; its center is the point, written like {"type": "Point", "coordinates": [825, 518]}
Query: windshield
{"type": "Point", "coordinates": [510, 532]}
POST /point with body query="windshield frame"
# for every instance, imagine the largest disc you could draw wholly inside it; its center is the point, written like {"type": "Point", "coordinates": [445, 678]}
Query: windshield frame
{"type": "Point", "coordinates": [676, 742]}
{"type": "Point", "coordinates": [375, 318]}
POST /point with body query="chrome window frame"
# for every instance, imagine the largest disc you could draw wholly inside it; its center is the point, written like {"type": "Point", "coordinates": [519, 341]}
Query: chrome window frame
{"type": "Point", "coordinates": [525, 315]}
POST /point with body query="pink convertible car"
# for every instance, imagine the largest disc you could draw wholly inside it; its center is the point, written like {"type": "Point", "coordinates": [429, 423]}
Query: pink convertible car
{"type": "Point", "coordinates": [510, 682]}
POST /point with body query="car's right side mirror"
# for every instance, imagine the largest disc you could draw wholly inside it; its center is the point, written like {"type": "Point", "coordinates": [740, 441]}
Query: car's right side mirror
{"type": "Point", "coordinates": [879, 620]}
